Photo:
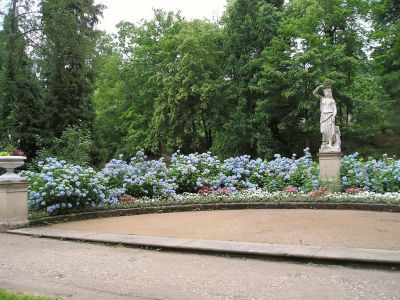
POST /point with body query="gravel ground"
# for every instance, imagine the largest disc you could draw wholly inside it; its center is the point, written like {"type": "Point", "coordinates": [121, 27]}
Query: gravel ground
{"type": "Point", "coordinates": [337, 228]}
{"type": "Point", "coordinates": [87, 271]}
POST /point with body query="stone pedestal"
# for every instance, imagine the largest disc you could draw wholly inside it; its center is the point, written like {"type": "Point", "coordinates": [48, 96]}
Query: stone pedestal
{"type": "Point", "coordinates": [13, 203]}
{"type": "Point", "coordinates": [329, 166]}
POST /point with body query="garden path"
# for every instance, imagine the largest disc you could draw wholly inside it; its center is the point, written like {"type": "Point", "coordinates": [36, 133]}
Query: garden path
{"type": "Point", "coordinates": [85, 271]}
{"type": "Point", "coordinates": [335, 228]}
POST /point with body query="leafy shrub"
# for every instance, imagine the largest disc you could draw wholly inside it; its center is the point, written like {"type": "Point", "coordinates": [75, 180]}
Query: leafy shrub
{"type": "Point", "coordinates": [139, 178]}
{"type": "Point", "coordinates": [371, 174]}
{"type": "Point", "coordinates": [194, 171]}
{"type": "Point", "coordinates": [74, 146]}
{"type": "Point", "coordinates": [59, 187]}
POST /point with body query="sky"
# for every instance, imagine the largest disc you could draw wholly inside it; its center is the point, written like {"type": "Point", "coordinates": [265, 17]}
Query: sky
{"type": "Point", "coordinates": [136, 10]}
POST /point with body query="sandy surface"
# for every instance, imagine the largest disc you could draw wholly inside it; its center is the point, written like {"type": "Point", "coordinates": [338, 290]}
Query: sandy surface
{"type": "Point", "coordinates": [85, 271]}
{"type": "Point", "coordinates": [340, 228]}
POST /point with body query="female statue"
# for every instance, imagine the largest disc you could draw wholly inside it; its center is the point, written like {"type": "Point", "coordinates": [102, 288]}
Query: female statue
{"type": "Point", "coordinates": [330, 132]}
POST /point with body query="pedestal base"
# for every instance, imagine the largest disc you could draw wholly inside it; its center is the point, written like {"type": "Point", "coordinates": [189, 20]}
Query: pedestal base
{"type": "Point", "coordinates": [13, 203]}
{"type": "Point", "coordinates": [329, 166]}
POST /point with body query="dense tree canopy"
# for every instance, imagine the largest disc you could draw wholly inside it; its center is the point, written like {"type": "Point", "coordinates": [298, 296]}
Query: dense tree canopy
{"type": "Point", "coordinates": [66, 69]}
{"type": "Point", "coordinates": [239, 86]}
{"type": "Point", "coordinates": [21, 98]}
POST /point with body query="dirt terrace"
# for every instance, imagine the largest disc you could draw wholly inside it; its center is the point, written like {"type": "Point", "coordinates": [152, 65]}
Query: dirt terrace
{"type": "Point", "coordinates": [340, 228]}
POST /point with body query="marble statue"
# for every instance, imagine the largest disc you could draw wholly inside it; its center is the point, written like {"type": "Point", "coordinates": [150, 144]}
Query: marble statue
{"type": "Point", "coordinates": [330, 132]}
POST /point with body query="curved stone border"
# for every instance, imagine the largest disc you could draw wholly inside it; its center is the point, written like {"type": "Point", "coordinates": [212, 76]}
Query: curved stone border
{"type": "Point", "coordinates": [213, 206]}
{"type": "Point", "coordinates": [260, 250]}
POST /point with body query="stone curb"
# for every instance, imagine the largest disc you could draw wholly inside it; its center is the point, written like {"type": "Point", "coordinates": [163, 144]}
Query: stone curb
{"type": "Point", "coordinates": [214, 206]}
{"type": "Point", "coordinates": [313, 253]}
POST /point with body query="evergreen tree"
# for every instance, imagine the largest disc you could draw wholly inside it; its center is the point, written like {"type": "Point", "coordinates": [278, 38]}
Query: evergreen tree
{"type": "Point", "coordinates": [67, 53]}
{"type": "Point", "coordinates": [22, 117]}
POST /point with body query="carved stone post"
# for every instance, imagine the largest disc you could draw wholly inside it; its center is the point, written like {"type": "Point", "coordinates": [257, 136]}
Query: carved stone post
{"type": "Point", "coordinates": [13, 194]}
{"type": "Point", "coordinates": [13, 203]}
{"type": "Point", "coordinates": [329, 167]}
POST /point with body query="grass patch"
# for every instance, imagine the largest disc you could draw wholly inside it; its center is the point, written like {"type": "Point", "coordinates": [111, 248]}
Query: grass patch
{"type": "Point", "coordinates": [8, 295]}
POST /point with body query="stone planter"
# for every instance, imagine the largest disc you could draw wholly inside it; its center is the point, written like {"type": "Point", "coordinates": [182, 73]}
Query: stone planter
{"type": "Point", "coordinates": [9, 163]}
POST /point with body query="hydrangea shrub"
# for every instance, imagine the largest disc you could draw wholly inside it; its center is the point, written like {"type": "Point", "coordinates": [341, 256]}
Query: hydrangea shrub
{"type": "Point", "coordinates": [371, 174]}
{"type": "Point", "coordinates": [139, 178]}
{"type": "Point", "coordinates": [194, 171]}
{"type": "Point", "coordinates": [58, 186]}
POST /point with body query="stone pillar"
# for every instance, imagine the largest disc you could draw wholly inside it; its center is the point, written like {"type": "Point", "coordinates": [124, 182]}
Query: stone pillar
{"type": "Point", "coordinates": [329, 166]}
{"type": "Point", "coordinates": [13, 203]}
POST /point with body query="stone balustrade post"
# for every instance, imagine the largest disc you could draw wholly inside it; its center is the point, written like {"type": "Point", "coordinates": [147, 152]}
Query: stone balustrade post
{"type": "Point", "coordinates": [13, 194]}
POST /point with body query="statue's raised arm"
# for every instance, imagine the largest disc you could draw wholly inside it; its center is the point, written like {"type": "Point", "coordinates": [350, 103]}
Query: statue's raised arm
{"type": "Point", "coordinates": [315, 93]}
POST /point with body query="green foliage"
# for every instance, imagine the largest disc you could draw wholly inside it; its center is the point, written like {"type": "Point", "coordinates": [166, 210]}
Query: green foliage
{"type": "Point", "coordinates": [110, 104]}
{"type": "Point", "coordinates": [246, 87]}
{"type": "Point", "coordinates": [386, 58]}
{"type": "Point", "coordinates": [127, 88]}
{"type": "Point", "coordinates": [67, 52]}
{"type": "Point", "coordinates": [371, 174]}
{"type": "Point", "coordinates": [22, 115]}
{"type": "Point", "coordinates": [190, 98]}
{"type": "Point", "coordinates": [58, 186]}
{"type": "Point", "coordinates": [7, 295]}
{"type": "Point", "coordinates": [74, 146]}
{"type": "Point", "coordinates": [319, 41]}
{"type": "Point", "coordinates": [249, 27]}
{"type": "Point", "coordinates": [243, 86]}
{"type": "Point", "coordinates": [161, 87]}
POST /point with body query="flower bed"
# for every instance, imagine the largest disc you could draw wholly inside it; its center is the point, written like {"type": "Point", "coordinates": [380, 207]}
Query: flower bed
{"type": "Point", "coordinates": [371, 174]}
{"type": "Point", "coordinates": [58, 187]}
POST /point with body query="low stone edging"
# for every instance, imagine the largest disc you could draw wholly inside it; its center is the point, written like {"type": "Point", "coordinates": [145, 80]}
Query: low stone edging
{"type": "Point", "coordinates": [213, 206]}
{"type": "Point", "coordinates": [244, 249]}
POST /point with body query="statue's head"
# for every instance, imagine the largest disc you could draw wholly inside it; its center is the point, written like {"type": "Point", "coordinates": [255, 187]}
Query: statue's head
{"type": "Point", "coordinates": [327, 88]}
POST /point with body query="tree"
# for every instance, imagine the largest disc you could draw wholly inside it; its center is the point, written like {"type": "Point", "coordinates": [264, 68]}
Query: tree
{"type": "Point", "coordinates": [249, 27]}
{"type": "Point", "coordinates": [161, 89]}
{"type": "Point", "coordinates": [22, 117]}
{"type": "Point", "coordinates": [110, 103]}
{"type": "Point", "coordinates": [386, 55]}
{"type": "Point", "coordinates": [386, 24]}
{"type": "Point", "coordinates": [67, 60]}
{"type": "Point", "coordinates": [317, 41]}
{"type": "Point", "coordinates": [191, 95]}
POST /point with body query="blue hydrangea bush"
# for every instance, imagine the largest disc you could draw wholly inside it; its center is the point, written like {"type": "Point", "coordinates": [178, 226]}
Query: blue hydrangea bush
{"type": "Point", "coordinates": [58, 186]}
{"type": "Point", "coordinates": [194, 171]}
{"type": "Point", "coordinates": [139, 178]}
{"type": "Point", "coordinates": [371, 174]}
{"type": "Point", "coordinates": [282, 172]}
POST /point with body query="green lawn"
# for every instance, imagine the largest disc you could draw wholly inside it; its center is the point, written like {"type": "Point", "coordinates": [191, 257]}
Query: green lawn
{"type": "Point", "coordinates": [7, 295]}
